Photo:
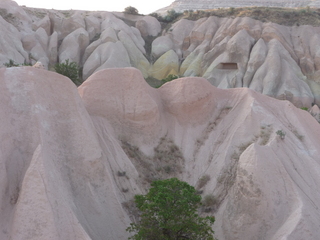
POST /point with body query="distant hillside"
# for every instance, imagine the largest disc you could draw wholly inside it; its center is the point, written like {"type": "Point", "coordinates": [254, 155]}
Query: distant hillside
{"type": "Point", "coordinates": [182, 5]}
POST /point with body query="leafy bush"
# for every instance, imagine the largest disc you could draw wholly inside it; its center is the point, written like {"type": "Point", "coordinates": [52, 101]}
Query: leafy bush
{"type": "Point", "coordinates": [131, 10]}
{"type": "Point", "coordinates": [68, 69]}
{"type": "Point", "coordinates": [281, 134]}
{"type": "Point", "coordinates": [169, 211]}
{"type": "Point", "coordinates": [169, 78]}
{"type": "Point", "coordinates": [170, 17]}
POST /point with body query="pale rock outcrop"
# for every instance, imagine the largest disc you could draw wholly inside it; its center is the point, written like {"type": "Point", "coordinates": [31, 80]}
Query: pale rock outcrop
{"type": "Point", "coordinates": [108, 35]}
{"type": "Point", "coordinates": [200, 36]}
{"type": "Point", "coordinates": [315, 89]}
{"type": "Point", "coordinates": [74, 45]}
{"type": "Point", "coordinates": [160, 46]}
{"type": "Point", "coordinates": [178, 32]}
{"type": "Point", "coordinates": [10, 44]}
{"type": "Point", "coordinates": [56, 183]}
{"type": "Point", "coordinates": [42, 38]}
{"type": "Point", "coordinates": [315, 112]}
{"type": "Point", "coordinates": [39, 65]}
{"type": "Point", "coordinates": [118, 25]}
{"type": "Point", "coordinates": [191, 66]}
{"type": "Point", "coordinates": [237, 53]}
{"type": "Point", "coordinates": [135, 110]}
{"type": "Point", "coordinates": [28, 41]}
{"type": "Point", "coordinates": [106, 55]}
{"type": "Point", "coordinates": [53, 48]}
{"type": "Point", "coordinates": [64, 26]}
{"type": "Point", "coordinates": [92, 26]}
{"type": "Point", "coordinates": [260, 194]}
{"type": "Point", "coordinates": [257, 58]}
{"type": "Point", "coordinates": [285, 81]}
{"type": "Point", "coordinates": [167, 64]}
{"type": "Point", "coordinates": [182, 5]}
{"type": "Point", "coordinates": [15, 15]}
{"type": "Point", "coordinates": [37, 53]}
{"type": "Point", "coordinates": [61, 155]}
{"type": "Point", "coordinates": [44, 23]}
{"type": "Point", "coordinates": [137, 59]}
{"type": "Point", "coordinates": [148, 26]}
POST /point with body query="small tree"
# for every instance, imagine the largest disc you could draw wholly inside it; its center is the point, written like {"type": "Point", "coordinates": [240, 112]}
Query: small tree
{"type": "Point", "coordinates": [131, 10]}
{"type": "Point", "coordinates": [169, 212]}
{"type": "Point", "coordinates": [68, 69]}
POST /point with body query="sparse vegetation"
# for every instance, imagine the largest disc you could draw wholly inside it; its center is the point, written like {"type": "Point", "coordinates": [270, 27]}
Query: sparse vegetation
{"type": "Point", "coordinates": [281, 134]}
{"type": "Point", "coordinates": [171, 16]}
{"type": "Point", "coordinates": [131, 10]}
{"type": "Point", "coordinates": [12, 63]}
{"type": "Point", "coordinates": [68, 69]}
{"type": "Point", "coordinates": [169, 211]}
{"type": "Point", "coordinates": [208, 203]}
{"type": "Point", "coordinates": [304, 108]}
{"type": "Point", "coordinates": [265, 133]}
{"type": "Point", "coordinates": [203, 181]}
{"type": "Point", "coordinates": [121, 173]}
{"type": "Point", "coordinates": [166, 162]}
{"type": "Point", "coordinates": [169, 78]}
{"type": "Point", "coordinates": [299, 136]}
{"type": "Point", "coordinates": [282, 16]}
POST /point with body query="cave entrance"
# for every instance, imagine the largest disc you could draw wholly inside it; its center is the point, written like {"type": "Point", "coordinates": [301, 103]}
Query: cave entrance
{"type": "Point", "coordinates": [228, 66]}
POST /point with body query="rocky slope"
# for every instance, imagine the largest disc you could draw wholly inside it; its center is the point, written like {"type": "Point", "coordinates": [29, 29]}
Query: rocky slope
{"type": "Point", "coordinates": [278, 61]}
{"type": "Point", "coordinates": [72, 159]}
{"type": "Point", "coordinates": [182, 5]}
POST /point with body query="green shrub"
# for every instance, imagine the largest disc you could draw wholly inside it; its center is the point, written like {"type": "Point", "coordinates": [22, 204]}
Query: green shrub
{"type": "Point", "coordinates": [12, 63]}
{"type": "Point", "coordinates": [281, 134]}
{"type": "Point", "coordinates": [68, 69]}
{"type": "Point", "coordinates": [131, 10]}
{"type": "Point", "coordinates": [169, 78]}
{"type": "Point", "coordinates": [171, 15]}
{"type": "Point", "coordinates": [170, 211]}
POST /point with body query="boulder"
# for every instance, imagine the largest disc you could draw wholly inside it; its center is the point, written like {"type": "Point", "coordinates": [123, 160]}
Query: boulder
{"type": "Point", "coordinates": [53, 48]}
{"type": "Point", "coordinates": [160, 46]}
{"type": "Point", "coordinates": [74, 45]}
{"type": "Point", "coordinates": [108, 35]}
{"type": "Point", "coordinates": [137, 59]}
{"type": "Point", "coordinates": [148, 26]}
{"type": "Point", "coordinates": [11, 47]}
{"type": "Point", "coordinates": [44, 23]}
{"type": "Point", "coordinates": [130, 107]}
{"type": "Point", "coordinates": [106, 55]}
{"type": "Point", "coordinates": [167, 64]}
{"type": "Point", "coordinates": [286, 81]}
{"type": "Point", "coordinates": [92, 26]}
{"type": "Point", "coordinates": [65, 25]}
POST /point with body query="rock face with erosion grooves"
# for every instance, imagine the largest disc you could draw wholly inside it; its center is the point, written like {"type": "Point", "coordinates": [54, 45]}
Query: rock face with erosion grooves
{"type": "Point", "coordinates": [279, 61]}
{"type": "Point", "coordinates": [71, 161]}
{"type": "Point", "coordinates": [182, 5]}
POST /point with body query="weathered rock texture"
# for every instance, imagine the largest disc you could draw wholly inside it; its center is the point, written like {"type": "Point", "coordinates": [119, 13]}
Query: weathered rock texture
{"type": "Point", "coordinates": [71, 161]}
{"type": "Point", "coordinates": [278, 61]}
{"type": "Point", "coordinates": [182, 5]}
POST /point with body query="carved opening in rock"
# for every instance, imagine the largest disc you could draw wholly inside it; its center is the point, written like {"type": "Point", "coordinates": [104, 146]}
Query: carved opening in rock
{"type": "Point", "coordinates": [227, 66]}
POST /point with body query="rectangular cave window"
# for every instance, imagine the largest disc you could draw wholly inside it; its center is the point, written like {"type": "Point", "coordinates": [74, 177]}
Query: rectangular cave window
{"type": "Point", "coordinates": [228, 66]}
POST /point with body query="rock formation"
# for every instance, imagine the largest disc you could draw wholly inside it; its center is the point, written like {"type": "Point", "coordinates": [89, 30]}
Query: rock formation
{"type": "Point", "coordinates": [182, 5]}
{"type": "Point", "coordinates": [72, 159]}
{"type": "Point", "coordinates": [278, 61]}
